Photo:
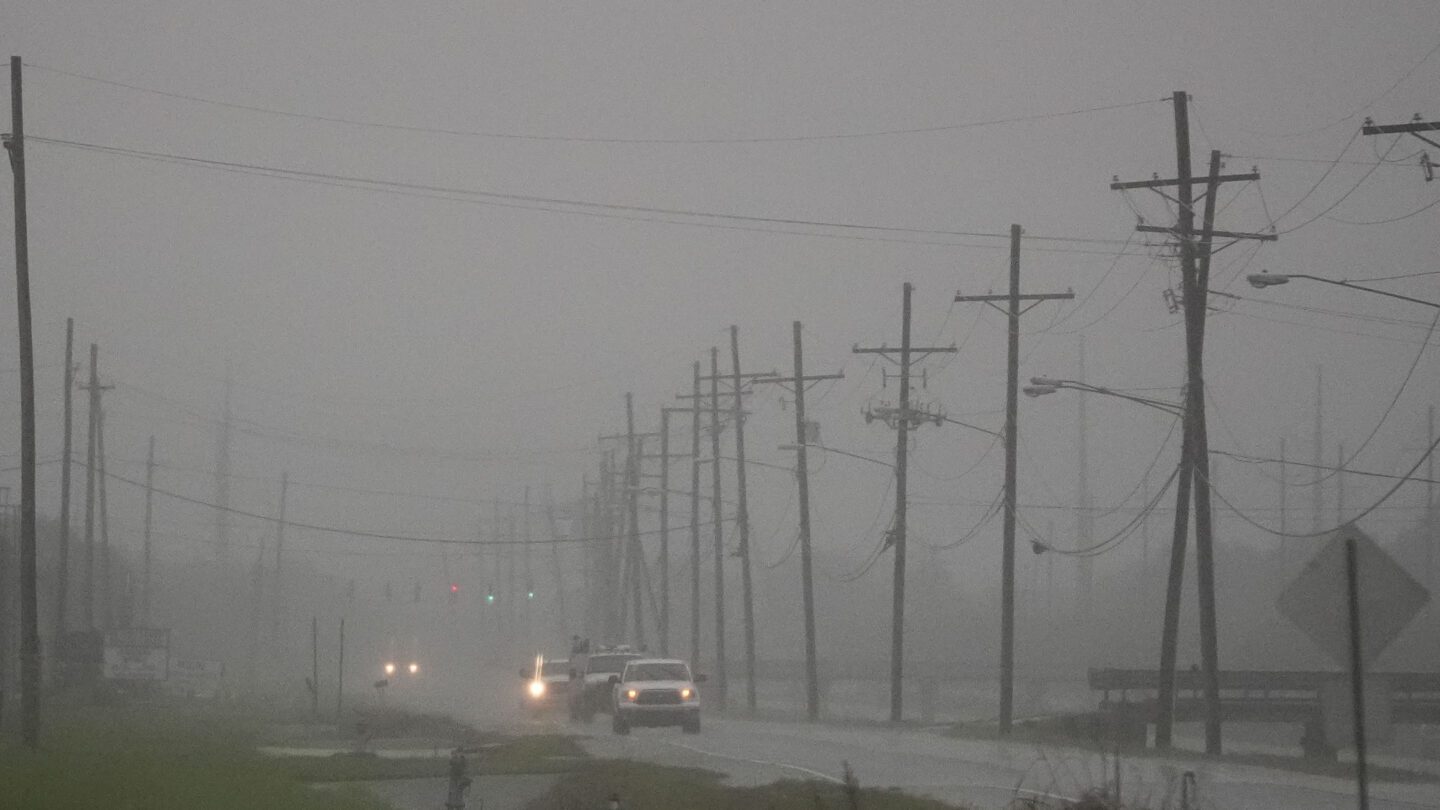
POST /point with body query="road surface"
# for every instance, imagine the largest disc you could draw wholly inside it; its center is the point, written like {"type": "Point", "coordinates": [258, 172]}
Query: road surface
{"type": "Point", "coordinates": [980, 773]}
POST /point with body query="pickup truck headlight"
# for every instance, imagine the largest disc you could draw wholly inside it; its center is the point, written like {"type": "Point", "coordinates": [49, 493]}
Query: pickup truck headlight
{"type": "Point", "coordinates": [632, 694]}
{"type": "Point", "coordinates": [537, 688]}
{"type": "Point", "coordinates": [687, 693]}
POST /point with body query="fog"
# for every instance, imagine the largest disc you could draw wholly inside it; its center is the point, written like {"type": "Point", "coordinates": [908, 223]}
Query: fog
{"type": "Point", "coordinates": [427, 253]}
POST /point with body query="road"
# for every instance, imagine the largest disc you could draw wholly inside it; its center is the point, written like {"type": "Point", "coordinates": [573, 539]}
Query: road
{"type": "Point", "coordinates": [983, 774]}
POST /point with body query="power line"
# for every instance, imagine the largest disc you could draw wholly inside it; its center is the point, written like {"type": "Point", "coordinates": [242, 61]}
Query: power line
{"type": "Point", "coordinates": [1408, 477]}
{"type": "Point", "coordinates": [371, 535]}
{"type": "Point", "coordinates": [575, 207]}
{"type": "Point", "coordinates": [518, 136]}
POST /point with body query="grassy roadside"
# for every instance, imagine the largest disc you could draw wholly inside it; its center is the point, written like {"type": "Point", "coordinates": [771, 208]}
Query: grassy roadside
{"type": "Point", "coordinates": [642, 786]}
{"type": "Point", "coordinates": [131, 758]}
{"type": "Point", "coordinates": [531, 754]}
{"type": "Point", "coordinates": [1044, 734]}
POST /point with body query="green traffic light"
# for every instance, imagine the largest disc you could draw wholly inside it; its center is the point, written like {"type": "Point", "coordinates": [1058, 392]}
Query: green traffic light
{"type": "Point", "coordinates": [489, 598]}
{"type": "Point", "coordinates": [529, 594]}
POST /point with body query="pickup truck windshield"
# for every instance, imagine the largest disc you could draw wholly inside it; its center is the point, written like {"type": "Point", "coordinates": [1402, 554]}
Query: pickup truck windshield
{"type": "Point", "coordinates": [657, 672]}
{"type": "Point", "coordinates": [608, 663]}
{"type": "Point", "coordinates": [554, 668]}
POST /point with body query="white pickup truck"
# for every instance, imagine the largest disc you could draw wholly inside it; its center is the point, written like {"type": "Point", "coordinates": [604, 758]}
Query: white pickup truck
{"type": "Point", "coordinates": [657, 692]}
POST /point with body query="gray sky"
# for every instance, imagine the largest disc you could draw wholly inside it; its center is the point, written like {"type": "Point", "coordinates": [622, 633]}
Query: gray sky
{"type": "Point", "coordinates": [390, 340]}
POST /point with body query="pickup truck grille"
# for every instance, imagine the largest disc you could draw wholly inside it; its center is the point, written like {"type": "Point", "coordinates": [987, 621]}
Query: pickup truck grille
{"type": "Point", "coordinates": [658, 697]}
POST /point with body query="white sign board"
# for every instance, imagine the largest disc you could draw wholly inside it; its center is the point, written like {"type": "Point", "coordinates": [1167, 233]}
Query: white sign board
{"type": "Point", "coordinates": [137, 654]}
{"type": "Point", "coordinates": [1317, 602]}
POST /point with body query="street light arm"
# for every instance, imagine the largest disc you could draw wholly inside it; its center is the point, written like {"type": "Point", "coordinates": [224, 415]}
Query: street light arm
{"type": "Point", "coordinates": [1046, 385]}
{"type": "Point", "coordinates": [1267, 280]}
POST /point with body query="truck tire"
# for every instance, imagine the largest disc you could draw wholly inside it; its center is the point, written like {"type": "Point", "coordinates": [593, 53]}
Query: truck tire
{"type": "Point", "coordinates": [619, 725]}
{"type": "Point", "coordinates": [691, 724]}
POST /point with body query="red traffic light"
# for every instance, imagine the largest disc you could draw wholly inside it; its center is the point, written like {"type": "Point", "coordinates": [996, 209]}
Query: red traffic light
{"type": "Point", "coordinates": [454, 587]}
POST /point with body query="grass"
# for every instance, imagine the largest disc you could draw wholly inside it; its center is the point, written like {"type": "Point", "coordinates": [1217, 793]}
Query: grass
{"type": "Point", "coordinates": [642, 786]}
{"type": "Point", "coordinates": [538, 754]}
{"type": "Point", "coordinates": [149, 759]}
{"type": "Point", "coordinates": [1049, 733]}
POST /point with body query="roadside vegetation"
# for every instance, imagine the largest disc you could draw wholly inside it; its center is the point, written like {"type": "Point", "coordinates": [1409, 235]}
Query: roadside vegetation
{"type": "Point", "coordinates": [642, 786]}
{"type": "Point", "coordinates": [128, 759]}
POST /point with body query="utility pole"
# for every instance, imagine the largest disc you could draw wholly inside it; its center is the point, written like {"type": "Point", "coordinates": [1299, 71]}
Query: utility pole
{"type": "Point", "coordinates": [742, 520]}
{"type": "Point", "coordinates": [1430, 498]}
{"type": "Point", "coordinates": [340, 673]}
{"type": "Point", "coordinates": [1012, 435]}
{"type": "Point", "coordinates": [555, 562]}
{"type": "Point", "coordinates": [529, 573]}
{"type": "Point", "coordinates": [632, 486]}
{"type": "Point", "coordinates": [279, 597]}
{"type": "Point", "coordinates": [900, 419]}
{"type": "Point", "coordinates": [1085, 520]}
{"type": "Point", "coordinates": [29, 613]}
{"type": "Point", "coordinates": [1194, 478]}
{"type": "Point", "coordinates": [1317, 492]}
{"type": "Point", "coordinates": [664, 625]}
{"type": "Point", "coordinates": [1284, 549]}
{"type": "Point", "coordinates": [797, 385]}
{"type": "Point", "coordinates": [1340, 484]}
{"type": "Point", "coordinates": [315, 667]}
{"type": "Point", "coordinates": [664, 476]}
{"type": "Point", "coordinates": [62, 576]}
{"type": "Point", "coordinates": [107, 602]}
{"type": "Point", "coordinates": [145, 581]}
{"type": "Point", "coordinates": [222, 477]}
{"type": "Point", "coordinates": [695, 518]}
{"type": "Point", "coordinates": [722, 680]}
{"type": "Point", "coordinates": [94, 390]}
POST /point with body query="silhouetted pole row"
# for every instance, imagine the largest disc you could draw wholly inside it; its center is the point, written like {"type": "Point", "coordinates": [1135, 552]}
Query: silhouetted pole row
{"type": "Point", "coordinates": [62, 576]}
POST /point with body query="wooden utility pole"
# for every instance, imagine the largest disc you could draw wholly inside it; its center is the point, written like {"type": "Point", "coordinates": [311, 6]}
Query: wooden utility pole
{"type": "Point", "coordinates": [278, 599]}
{"type": "Point", "coordinates": [664, 620]}
{"type": "Point", "coordinates": [222, 476]}
{"type": "Point", "coordinates": [742, 520]}
{"type": "Point", "coordinates": [1012, 431]}
{"type": "Point", "coordinates": [340, 673]}
{"type": "Point", "coordinates": [315, 667]}
{"type": "Point", "coordinates": [797, 385]}
{"type": "Point", "coordinates": [633, 549]}
{"type": "Point", "coordinates": [901, 419]}
{"type": "Point", "coordinates": [1284, 541]}
{"type": "Point", "coordinates": [695, 519]}
{"type": "Point", "coordinates": [62, 575]}
{"type": "Point", "coordinates": [94, 416]}
{"type": "Point", "coordinates": [1084, 518]}
{"type": "Point", "coordinates": [29, 606]}
{"type": "Point", "coordinates": [145, 581]}
{"type": "Point", "coordinates": [1317, 490]}
{"type": "Point", "coordinates": [721, 677]}
{"type": "Point", "coordinates": [554, 529]}
{"type": "Point", "coordinates": [107, 601]}
{"type": "Point", "coordinates": [1194, 478]}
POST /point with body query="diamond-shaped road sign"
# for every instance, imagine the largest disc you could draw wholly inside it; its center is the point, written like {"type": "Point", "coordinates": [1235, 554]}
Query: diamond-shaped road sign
{"type": "Point", "coordinates": [1316, 599]}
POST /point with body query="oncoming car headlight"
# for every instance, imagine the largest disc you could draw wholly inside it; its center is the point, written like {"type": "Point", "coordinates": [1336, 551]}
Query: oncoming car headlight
{"type": "Point", "coordinates": [632, 694]}
{"type": "Point", "coordinates": [389, 669]}
{"type": "Point", "coordinates": [537, 688]}
{"type": "Point", "coordinates": [414, 668]}
{"type": "Point", "coordinates": [686, 694]}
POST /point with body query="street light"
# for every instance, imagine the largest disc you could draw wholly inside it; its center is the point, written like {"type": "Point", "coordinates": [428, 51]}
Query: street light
{"type": "Point", "coordinates": [1041, 386]}
{"type": "Point", "coordinates": [1262, 280]}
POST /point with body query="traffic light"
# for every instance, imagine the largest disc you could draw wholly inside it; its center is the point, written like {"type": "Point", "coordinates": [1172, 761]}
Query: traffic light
{"type": "Point", "coordinates": [454, 592]}
{"type": "Point", "coordinates": [490, 597]}
{"type": "Point", "coordinates": [529, 591]}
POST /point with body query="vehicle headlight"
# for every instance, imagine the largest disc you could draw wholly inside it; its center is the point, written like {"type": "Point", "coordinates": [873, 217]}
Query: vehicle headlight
{"type": "Point", "coordinates": [632, 694]}
{"type": "Point", "coordinates": [537, 688]}
{"type": "Point", "coordinates": [414, 668]}
{"type": "Point", "coordinates": [686, 694]}
{"type": "Point", "coordinates": [389, 669]}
